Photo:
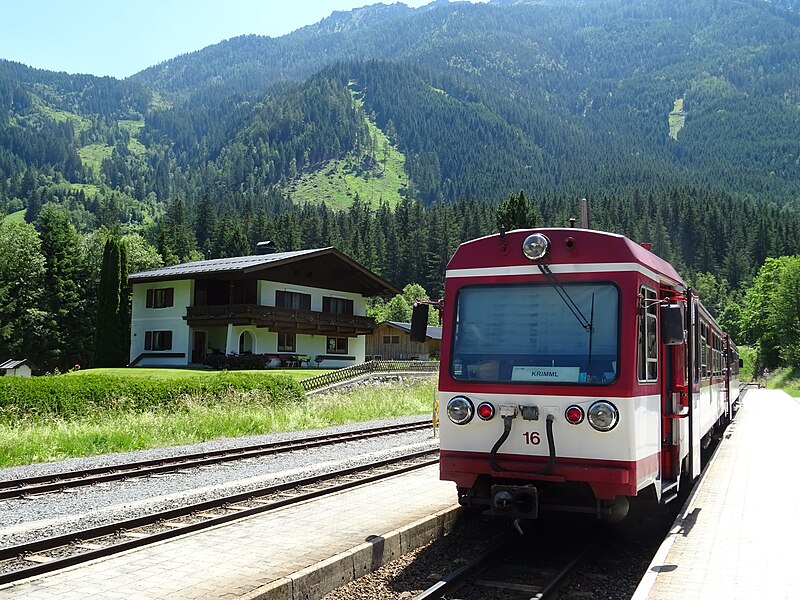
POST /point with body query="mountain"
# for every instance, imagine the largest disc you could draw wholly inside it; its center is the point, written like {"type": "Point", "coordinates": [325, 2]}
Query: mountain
{"type": "Point", "coordinates": [478, 101]}
{"type": "Point", "coordinates": [395, 133]}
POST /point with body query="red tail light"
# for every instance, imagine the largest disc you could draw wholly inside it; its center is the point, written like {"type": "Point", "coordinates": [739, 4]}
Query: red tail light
{"type": "Point", "coordinates": [485, 411]}
{"type": "Point", "coordinates": [574, 414]}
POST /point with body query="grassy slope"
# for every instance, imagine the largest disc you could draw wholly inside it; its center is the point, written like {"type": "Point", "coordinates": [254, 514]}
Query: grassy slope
{"type": "Point", "coordinates": [18, 216]}
{"type": "Point", "coordinates": [787, 380]}
{"type": "Point", "coordinates": [338, 181]}
{"type": "Point", "coordinates": [93, 155]}
{"type": "Point", "coordinates": [677, 119]}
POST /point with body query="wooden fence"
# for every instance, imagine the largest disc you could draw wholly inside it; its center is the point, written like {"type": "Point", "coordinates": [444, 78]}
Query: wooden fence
{"type": "Point", "coordinates": [367, 368]}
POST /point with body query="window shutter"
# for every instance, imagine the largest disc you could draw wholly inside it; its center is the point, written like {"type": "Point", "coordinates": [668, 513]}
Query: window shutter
{"type": "Point", "coordinates": [326, 304]}
{"type": "Point", "coordinates": [348, 307]}
{"type": "Point", "coordinates": [148, 337]}
{"type": "Point", "coordinates": [149, 303]}
{"type": "Point", "coordinates": [280, 299]}
{"type": "Point", "coordinates": [167, 340]}
{"type": "Point", "coordinates": [170, 297]}
{"type": "Point", "coordinates": [306, 302]}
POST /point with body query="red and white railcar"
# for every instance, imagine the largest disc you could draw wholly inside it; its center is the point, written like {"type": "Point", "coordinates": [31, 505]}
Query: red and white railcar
{"type": "Point", "coordinates": [577, 370]}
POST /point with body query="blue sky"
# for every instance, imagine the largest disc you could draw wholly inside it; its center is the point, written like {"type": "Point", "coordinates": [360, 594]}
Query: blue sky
{"type": "Point", "coordinates": [122, 37]}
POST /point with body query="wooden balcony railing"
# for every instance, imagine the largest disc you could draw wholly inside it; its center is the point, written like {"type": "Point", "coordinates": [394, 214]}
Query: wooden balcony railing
{"type": "Point", "coordinates": [286, 320]}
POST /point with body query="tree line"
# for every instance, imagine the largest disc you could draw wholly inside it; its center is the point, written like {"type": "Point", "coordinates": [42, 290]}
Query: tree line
{"type": "Point", "coordinates": [58, 286]}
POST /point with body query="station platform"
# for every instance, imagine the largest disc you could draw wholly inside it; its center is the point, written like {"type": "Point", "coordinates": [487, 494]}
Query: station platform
{"type": "Point", "coordinates": [737, 535]}
{"type": "Point", "coordinates": [301, 551]}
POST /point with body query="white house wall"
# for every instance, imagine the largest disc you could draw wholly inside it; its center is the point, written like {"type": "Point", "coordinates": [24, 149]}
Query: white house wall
{"type": "Point", "coordinates": [227, 338]}
{"type": "Point", "coordinates": [266, 342]}
{"type": "Point", "coordinates": [161, 319]}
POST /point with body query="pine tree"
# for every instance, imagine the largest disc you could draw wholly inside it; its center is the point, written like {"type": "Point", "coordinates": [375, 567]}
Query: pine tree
{"type": "Point", "coordinates": [516, 213]}
{"type": "Point", "coordinates": [108, 323]}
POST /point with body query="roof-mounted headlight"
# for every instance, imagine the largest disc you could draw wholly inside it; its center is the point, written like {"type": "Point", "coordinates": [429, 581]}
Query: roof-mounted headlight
{"type": "Point", "coordinates": [535, 246]}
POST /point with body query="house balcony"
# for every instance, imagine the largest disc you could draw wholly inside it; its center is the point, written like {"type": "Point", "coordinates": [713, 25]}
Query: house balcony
{"type": "Point", "coordinates": [284, 320]}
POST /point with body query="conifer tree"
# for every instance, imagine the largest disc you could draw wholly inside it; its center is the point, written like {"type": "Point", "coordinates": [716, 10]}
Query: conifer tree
{"type": "Point", "coordinates": [516, 213]}
{"type": "Point", "coordinates": [108, 328]}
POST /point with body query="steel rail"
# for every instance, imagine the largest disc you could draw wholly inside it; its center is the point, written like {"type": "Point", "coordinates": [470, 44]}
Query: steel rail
{"type": "Point", "coordinates": [68, 479]}
{"type": "Point", "coordinates": [94, 533]}
{"type": "Point", "coordinates": [494, 556]}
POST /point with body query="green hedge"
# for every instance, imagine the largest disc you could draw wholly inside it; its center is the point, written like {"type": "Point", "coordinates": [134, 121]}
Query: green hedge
{"type": "Point", "coordinates": [67, 397]}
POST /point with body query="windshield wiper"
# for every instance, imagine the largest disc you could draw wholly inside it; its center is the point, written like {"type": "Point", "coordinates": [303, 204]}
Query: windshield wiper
{"type": "Point", "coordinates": [564, 295]}
{"type": "Point", "coordinates": [587, 324]}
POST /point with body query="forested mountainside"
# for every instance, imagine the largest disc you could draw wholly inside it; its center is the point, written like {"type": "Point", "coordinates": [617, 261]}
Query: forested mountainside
{"type": "Point", "coordinates": [480, 99]}
{"type": "Point", "coordinates": [393, 133]}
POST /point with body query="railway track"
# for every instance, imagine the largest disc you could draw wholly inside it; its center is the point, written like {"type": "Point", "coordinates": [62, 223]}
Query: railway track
{"type": "Point", "coordinates": [514, 568]}
{"type": "Point", "coordinates": [42, 484]}
{"type": "Point", "coordinates": [51, 554]}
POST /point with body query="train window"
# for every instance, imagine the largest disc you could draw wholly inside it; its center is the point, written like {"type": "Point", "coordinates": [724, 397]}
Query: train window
{"type": "Point", "coordinates": [537, 333]}
{"type": "Point", "coordinates": [704, 350]}
{"type": "Point", "coordinates": [648, 337]}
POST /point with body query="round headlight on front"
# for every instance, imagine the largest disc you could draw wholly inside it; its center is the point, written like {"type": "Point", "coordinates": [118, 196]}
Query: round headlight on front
{"type": "Point", "coordinates": [603, 415]}
{"type": "Point", "coordinates": [460, 410]}
{"type": "Point", "coordinates": [535, 246]}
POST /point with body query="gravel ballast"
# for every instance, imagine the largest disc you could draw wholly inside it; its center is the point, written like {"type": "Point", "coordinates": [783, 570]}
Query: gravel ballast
{"type": "Point", "coordinates": [27, 519]}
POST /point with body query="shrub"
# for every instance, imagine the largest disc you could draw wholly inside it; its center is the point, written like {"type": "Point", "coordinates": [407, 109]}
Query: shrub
{"type": "Point", "coordinates": [238, 361]}
{"type": "Point", "coordinates": [68, 397]}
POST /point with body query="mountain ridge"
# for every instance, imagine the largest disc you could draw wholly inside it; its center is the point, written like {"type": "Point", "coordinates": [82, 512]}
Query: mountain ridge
{"type": "Point", "coordinates": [482, 99]}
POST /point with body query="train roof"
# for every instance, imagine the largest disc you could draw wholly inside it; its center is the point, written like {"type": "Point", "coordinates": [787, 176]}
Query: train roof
{"type": "Point", "coordinates": [567, 246]}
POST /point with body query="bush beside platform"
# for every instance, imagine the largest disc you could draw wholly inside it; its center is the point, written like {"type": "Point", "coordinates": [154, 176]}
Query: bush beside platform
{"type": "Point", "coordinates": [68, 397]}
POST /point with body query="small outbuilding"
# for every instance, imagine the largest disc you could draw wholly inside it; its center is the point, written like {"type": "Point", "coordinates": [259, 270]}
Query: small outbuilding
{"type": "Point", "coordinates": [391, 340]}
{"type": "Point", "coordinates": [17, 368]}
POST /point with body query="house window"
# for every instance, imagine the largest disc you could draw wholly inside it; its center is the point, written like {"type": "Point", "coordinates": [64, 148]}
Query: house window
{"type": "Point", "coordinates": [648, 337]}
{"type": "Point", "coordinates": [292, 300]}
{"type": "Point", "coordinates": [158, 340]}
{"type": "Point", "coordinates": [391, 339]}
{"type": "Point", "coordinates": [339, 306]}
{"type": "Point", "coordinates": [337, 345]}
{"type": "Point", "coordinates": [160, 297]}
{"type": "Point", "coordinates": [287, 342]}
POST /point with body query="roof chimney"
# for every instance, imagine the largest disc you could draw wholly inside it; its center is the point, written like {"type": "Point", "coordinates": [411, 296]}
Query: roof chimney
{"type": "Point", "coordinates": [267, 247]}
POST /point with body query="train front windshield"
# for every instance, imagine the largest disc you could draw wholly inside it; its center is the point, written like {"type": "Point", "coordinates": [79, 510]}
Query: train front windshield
{"type": "Point", "coordinates": [537, 333]}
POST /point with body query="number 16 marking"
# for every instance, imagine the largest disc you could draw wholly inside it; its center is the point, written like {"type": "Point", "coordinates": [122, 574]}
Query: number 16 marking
{"type": "Point", "coordinates": [532, 438]}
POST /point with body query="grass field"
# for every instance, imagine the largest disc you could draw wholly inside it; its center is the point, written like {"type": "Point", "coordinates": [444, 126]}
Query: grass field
{"type": "Point", "coordinates": [787, 380]}
{"type": "Point", "coordinates": [198, 417]}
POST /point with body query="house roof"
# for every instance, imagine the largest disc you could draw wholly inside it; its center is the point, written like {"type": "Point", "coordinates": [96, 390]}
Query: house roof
{"type": "Point", "coordinates": [13, 364]}
{"type": "Point", "coordinates": [321, 267]}
{"type": "Point", "coordinates": [434, 333]}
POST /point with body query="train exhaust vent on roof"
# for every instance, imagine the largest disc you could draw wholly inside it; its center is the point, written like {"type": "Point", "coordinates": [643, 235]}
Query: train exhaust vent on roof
{"type": "Point", "coordinates": [267, 247]}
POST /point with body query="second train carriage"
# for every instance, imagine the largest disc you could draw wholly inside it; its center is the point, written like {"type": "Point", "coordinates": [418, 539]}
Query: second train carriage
{"type": "Point", "coordinates": [577, 370]}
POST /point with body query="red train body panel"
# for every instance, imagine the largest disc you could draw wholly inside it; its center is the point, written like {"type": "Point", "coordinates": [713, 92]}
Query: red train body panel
{"type": "Point", "coordinates": [575, 379]}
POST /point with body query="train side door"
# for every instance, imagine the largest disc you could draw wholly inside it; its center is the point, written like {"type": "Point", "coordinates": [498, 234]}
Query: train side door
{"type": "Point", "coordinates": [695, 376]}
{"type": "Point", "coordinates": [673, 392]}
